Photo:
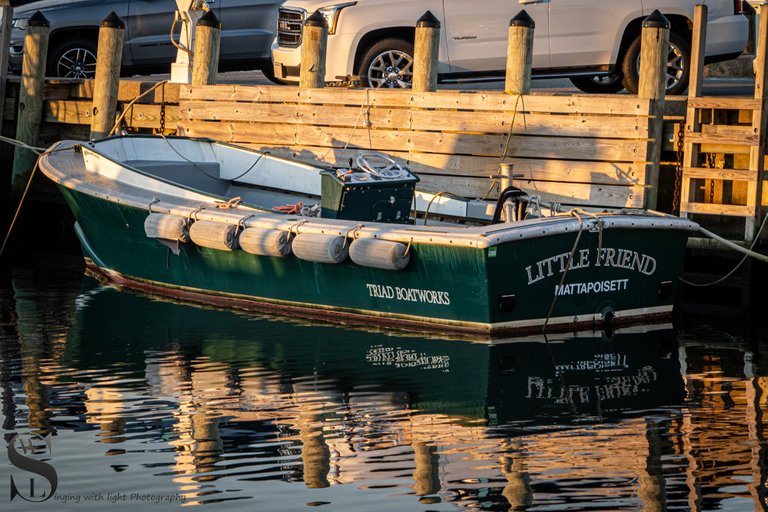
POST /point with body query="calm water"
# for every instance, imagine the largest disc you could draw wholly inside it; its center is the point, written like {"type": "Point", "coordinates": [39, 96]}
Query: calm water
{"type": "Point", "coordinates": [151, 403]}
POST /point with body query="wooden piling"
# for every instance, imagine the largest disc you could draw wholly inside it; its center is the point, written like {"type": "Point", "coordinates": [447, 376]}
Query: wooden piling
{"type": "Point", "coordinates": [30, 112]}
{"type": "Point", "coordinates": [654, 49]}
{"type": "Point", "coordinates": [519, 54]}
{"type": "Point", "coordinates": [205, 63]}
{"type": "Point", "coordinates": [695, 80]}
{"type": "Point", "coordinates": [109, 58]}
{"type": "Point", "coordinates": [426, 476]}
{"type": "Point", "coordinates": [759, 125]}
{"type": "Point", "coordinates": [425, 53]}
{"type": "Point", "coordinates": [314, 44]}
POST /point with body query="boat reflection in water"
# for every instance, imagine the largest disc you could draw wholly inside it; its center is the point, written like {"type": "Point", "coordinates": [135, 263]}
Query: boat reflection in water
{"type": "Point", "coordinates": [217, 406]}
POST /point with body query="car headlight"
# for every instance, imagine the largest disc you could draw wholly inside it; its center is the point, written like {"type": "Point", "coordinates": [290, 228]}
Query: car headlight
{"type": "Point", "coordinates": [20, 23]}
{"type": "Point", "coordinates": [331, 14]}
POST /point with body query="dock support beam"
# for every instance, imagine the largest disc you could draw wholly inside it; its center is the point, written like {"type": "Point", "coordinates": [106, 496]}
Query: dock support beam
{"type": "Point", "coordinates": [30, 114]}
{"type": "Point", "coordinates": [109, 59]}
{"type": "Point", "coordinates": [654, 50]}
{"type": "Point", "coordinates": [313, 49]}
{"type": "Point", "coordinates": [425, 53]}
{"type": "Point", "coordinates": [519, 54]}
{"type": "Point", "coordinates": [205, 60]}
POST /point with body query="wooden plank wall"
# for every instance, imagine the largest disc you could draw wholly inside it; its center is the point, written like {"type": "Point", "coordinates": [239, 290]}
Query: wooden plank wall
{"type": "Point", "coordinates": [68, 103]}
{"type": "Point", "coordinates": [574, 149]}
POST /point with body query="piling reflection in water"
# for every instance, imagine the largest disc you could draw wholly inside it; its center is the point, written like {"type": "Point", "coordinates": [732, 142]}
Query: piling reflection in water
{"type": "Point", "coordinates": [218, 406]}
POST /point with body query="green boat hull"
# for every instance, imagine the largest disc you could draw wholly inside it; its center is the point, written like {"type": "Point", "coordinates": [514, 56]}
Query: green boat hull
{"type": "Point", "coordinates": [517, 285]}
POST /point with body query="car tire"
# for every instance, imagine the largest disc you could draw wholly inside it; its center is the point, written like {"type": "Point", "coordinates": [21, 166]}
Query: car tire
{"type": "Point", "coordinates": [678, 65]}
{"type": "Point", "coordinates": [599, 84]}
{"type": "Point", "coordinates": [72, 58]}
{"type": "Point", "coordinates": [387, 64]}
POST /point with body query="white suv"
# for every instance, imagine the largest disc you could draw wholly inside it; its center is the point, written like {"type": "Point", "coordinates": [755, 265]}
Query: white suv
{"type": "Point", "coordinates": [593, 42]}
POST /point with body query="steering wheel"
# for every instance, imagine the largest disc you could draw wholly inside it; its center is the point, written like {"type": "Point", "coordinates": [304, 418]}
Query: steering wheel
{"type": "Point", "coordinates": [379, 165]}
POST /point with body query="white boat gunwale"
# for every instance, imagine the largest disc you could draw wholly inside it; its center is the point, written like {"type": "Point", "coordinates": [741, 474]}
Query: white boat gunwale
{"type": "Point", "coordinates": [52, 163]}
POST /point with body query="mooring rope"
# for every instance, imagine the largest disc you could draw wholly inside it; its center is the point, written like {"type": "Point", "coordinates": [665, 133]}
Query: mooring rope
{"type": "Point", "coordinates": [39, 152]}
{"type": "Point", "coordinates": [747, 253]}
{"type": "Point", "coordinates": [573, 213]}
{"type": "Point", "coordinates": [131, 103]}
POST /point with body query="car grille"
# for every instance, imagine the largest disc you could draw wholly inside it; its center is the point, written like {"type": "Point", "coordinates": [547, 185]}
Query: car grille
{"type": "Point", "coordinates": [289, 25]}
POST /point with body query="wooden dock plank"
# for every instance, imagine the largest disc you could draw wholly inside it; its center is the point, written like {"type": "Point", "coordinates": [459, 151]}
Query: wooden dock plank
{"type": "Point", "coordinates": [398, 140]}
{"type": "Point", "coordinates": [720, 174]}
{"type": "Point", "coordinates": [414, 119]}
{"type": "Point", "coordinates": [130, 89]}
{"type": "Point", "coordinates": [493, 101]}
{"type": "Point", "coordinates": [723, 102]}
{"type": "Point", "coordinates": [732, 210]}
{"type": "Point", "coordinates": [734, 139]}
{"type": "Point", "coordinates": [79, 112]}
{"type": "Point", "coordinates": [483, 169]}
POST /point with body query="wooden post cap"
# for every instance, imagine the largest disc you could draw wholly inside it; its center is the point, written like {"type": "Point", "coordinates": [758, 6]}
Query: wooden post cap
{"type": "Point", "coordinates": [428, 20]}
{"type": "Point", "coordinates": [38, 20]}
{"type": "Point", "coordinates": [656, 20]}
{"type": "Point", "coordinates": [209, 19]}
{"type": "Point", "coordinates": [316, 20]}
{"type": "Point", "coordinates": [522, 19]}
{"type": "Point", "coordinates": [112, 21]}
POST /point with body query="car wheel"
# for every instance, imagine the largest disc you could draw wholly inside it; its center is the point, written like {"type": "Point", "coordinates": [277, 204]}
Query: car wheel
{"type": "Point", "coordinates": [605, 84]}
{"type": "Point", "coordinates": [73, 58]}
{"type": "Point", "coordinates": [388, 63]}
{"type": "Point", "coordinates": [678, 65]}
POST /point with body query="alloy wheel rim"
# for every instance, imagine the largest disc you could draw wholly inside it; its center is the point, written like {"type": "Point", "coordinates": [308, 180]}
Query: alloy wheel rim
{"type": "Point", "coordinates": [77, 63]}
{"type": "Point", "coordinates": [392, 69]}
{"type": "Point", "coordinates": [675, 65]}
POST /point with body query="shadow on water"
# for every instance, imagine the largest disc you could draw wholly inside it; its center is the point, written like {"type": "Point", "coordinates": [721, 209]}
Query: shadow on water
{"type": "Point", "coordinates": [211, 406]}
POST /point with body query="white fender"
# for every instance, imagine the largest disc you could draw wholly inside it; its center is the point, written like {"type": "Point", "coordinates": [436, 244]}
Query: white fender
{"type": "Point", "coordinates": [215, 235]}
{"type": "Point", "coordinates": [266, 242]}
{"type": "Point", "coordinates": [320, 248]}
{"type": "Point", "coordinates": [371, 252]}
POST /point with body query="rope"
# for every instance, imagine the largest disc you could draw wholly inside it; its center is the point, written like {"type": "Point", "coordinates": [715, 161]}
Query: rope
{"type": "Point", "coordinates": [297, 226]}
{"type": "Point", "coordinates": [188, 160]}
{"type": "Point", "coordinates": [365, 107]}
{"type": "Point", "coordinates": [18, 208]}
{"type": "Point", "coordinates": [131, 103]}
{"type": "Point", "coordinates": [232, 203]}
{"type": "Point", "coordinates": [444, 193]}
{"type": "Point", "coordinates": [40, 152]}
{"type": "Point", "coordinates": [290, 209]}
{"type": "Point", "coordinates": [408, 248]}
{"type": "Point", "coordinates": [153, 201]}
{"type": "Point", "coordinates": [573, 213]}
{"type": "Point", "coordinates": [193, 214]}
{"type": "Point", "coordinates": [354, 228]}
{"type": "Point", "coordinates": [506, 147]}
{"type": "Point", "coordinates": [747, 253]}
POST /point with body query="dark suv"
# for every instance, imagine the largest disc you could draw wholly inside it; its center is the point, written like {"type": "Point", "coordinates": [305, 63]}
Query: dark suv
{"type": "Point", "coordinates": [248, 28]}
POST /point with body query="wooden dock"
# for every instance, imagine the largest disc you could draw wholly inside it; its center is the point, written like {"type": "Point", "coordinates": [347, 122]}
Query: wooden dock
{"type": "Point", "coordinates": [597, 151]}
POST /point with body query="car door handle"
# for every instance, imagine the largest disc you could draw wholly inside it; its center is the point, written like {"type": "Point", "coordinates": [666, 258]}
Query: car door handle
{"type": "Point", "coordinates": [526, 2]}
